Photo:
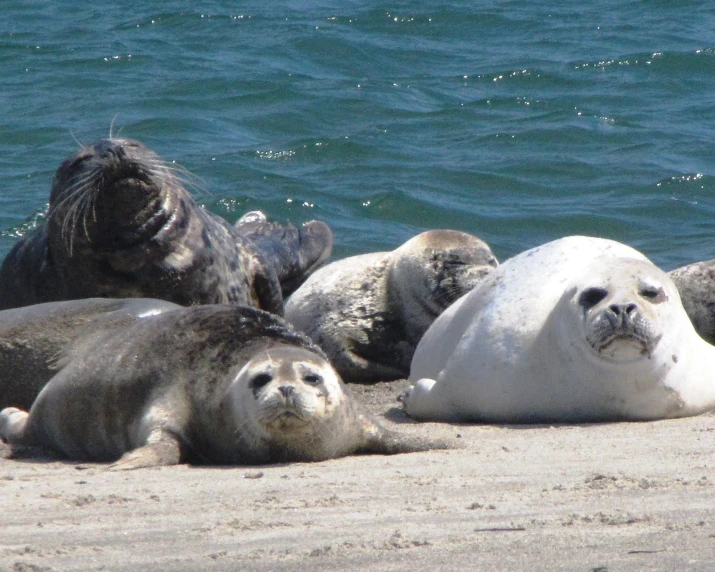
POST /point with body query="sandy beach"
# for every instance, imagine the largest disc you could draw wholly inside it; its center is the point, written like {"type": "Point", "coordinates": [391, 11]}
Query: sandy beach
{"type": "Point", "coordinates": [609, 497]}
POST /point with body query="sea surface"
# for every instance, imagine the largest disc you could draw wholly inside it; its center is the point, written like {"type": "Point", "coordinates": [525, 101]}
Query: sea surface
{"type": "Point", "coordinates": [517, 121]}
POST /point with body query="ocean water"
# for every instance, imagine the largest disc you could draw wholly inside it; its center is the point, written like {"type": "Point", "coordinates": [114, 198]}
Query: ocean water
{"type": "Point", "coordinates": [514, 120]}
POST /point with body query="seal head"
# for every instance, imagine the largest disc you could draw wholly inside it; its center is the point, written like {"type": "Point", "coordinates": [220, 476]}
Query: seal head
{"type": "Point", "coordinates": [621, 318]}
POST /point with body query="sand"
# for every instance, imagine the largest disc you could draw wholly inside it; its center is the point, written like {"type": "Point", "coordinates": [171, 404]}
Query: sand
{"type": "Point", "coordinates": [616, 497]}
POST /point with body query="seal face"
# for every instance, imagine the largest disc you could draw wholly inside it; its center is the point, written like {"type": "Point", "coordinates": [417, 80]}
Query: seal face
{"type": "Point", "coordinates": [580, 329]}
{"type": "Point", "coordinates": [121, 224]}
{"type": "Point", "coordinates": [368, 312]}
{"type": "Point", "coordinates": [212, 384]}
{"type": "Point", "coordinates": [283, 395]}
{"type": "Point", "coordinates": [621, 323]}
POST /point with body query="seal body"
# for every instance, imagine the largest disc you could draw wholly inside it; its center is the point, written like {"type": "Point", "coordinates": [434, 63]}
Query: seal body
{"type": "Point", "coordinates": [696, 285]}
{"type": "Point", "coordinates": [579, 329]}
{"type": "Point", "coordinates": [213, 384]}
{"type": "Point", "coordinates": [32, 338]}
{"type": "Point", "coordinates": [121, 224]}
{"type": "Point", "coordinates": [368, 312]}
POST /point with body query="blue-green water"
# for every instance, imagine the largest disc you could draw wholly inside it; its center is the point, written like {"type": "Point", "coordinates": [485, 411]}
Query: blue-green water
{"type": "Point", "coordinates": [513, 120]}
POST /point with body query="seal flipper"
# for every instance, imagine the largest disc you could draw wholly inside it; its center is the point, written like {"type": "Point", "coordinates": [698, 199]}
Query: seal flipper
{"type": "Point", "coordinates": [380, 441]}
{"type": "Point", "coordinates": [12, 425]}
{"type": "Point", "coordinates": [294, 252]}
{"type": "Point", "coordinates": [162, 449]}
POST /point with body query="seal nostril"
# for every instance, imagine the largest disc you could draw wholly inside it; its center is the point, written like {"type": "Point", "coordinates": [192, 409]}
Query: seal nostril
{"type": "Point", "coordinates": [623, 309]}
{"type": "Point", "coordinates": [286, 390]}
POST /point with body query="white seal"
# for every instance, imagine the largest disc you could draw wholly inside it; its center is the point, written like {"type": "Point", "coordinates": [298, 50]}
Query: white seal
{"type": "Point", "coordinates": [577, 330]}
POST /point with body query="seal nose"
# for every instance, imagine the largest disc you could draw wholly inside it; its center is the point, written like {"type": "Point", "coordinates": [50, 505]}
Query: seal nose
{"type": "Point", "coordinates": [619, 309]}
{"type": "Point", "coordinates": [108, 146]}
{"type": "Point", "coordinates": [286, 390]}
{"type": "Point", "coordinates": [622, 314]}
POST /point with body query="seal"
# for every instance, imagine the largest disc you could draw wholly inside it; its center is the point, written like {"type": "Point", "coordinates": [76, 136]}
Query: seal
{"type": "Point", "coordinates": [577, 330]}
{"type": "Point", "coordinates": [31, 338]}
{"type": "Point", "coordinates": [210, 384]}
{"type": "Point", "coordinates": [368, 312]}
{"type": "Point", "coordinates": [696, 284]}
{"type": "Point", "coordinates": [121, 224]}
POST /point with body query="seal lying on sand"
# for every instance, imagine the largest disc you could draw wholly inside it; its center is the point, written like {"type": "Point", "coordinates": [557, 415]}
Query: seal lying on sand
{"type": "Point", "coordinates": [696, 284]}
{"type": "Point", "coordinates": [32, 338]}
{"type": "Point", "coordinates": [368, 312]}
{"type": "Point", "coordinates": [579, 329]}
{"type": "Point", "coordinates": [211, 384]}
{"type": "Point", "coordinates": [121, 225]}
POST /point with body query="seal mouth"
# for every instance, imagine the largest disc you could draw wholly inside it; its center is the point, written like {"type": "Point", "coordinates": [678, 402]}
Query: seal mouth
{"type": "Point", "coordinates": [624, 347]}
{"type": "Point", "coordinates": [285, 417]}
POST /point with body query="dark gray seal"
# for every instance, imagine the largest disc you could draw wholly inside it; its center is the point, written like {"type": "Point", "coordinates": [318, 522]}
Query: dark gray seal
{"type": "Point", "coordinates": [368, 312]}
{"type": "Point", "coordinates": [121, 224]}
{"type": "Point", "coordinates": [696, 285]}
{"type": "Point", "coordinates": [32, 338]}
{"type": "Point", "coordinates": [212, 384]}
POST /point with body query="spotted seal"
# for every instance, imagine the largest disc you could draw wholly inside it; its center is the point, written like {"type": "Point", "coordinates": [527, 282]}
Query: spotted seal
{"type": "Point", "coordinates": [577, 330]}
{"type": "Point", "coordinates": [369, 311]}
{"type": "Point", "coordinates": [696, 284]}
{"type": "Point", "coordinates": [121, 224]}
{"type": "Point", "coordinates": [215, 384]}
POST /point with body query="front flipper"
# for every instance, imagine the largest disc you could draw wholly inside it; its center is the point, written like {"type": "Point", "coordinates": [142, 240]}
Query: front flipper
{"type": "Point", "coordinates": [294, 252]}
{"type": "Point", "coordinates": [12, 425]}
{"type": "Point", "coordinates": [162, 449]}
{"type": "Point", "coordinates": [426, 400]}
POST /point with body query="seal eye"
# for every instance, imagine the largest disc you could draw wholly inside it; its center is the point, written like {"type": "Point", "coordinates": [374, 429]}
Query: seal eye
{"type": "Point", "coordinates": [589, 298]}
{"type": "Point", "coordinates": [312, 378]}
{"type": "Point", "coordinates": [653, 294]}
{"type": "Point", "coordinates": [260, 380]}
{"type": "Point", "coordinates": [74, 162]}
